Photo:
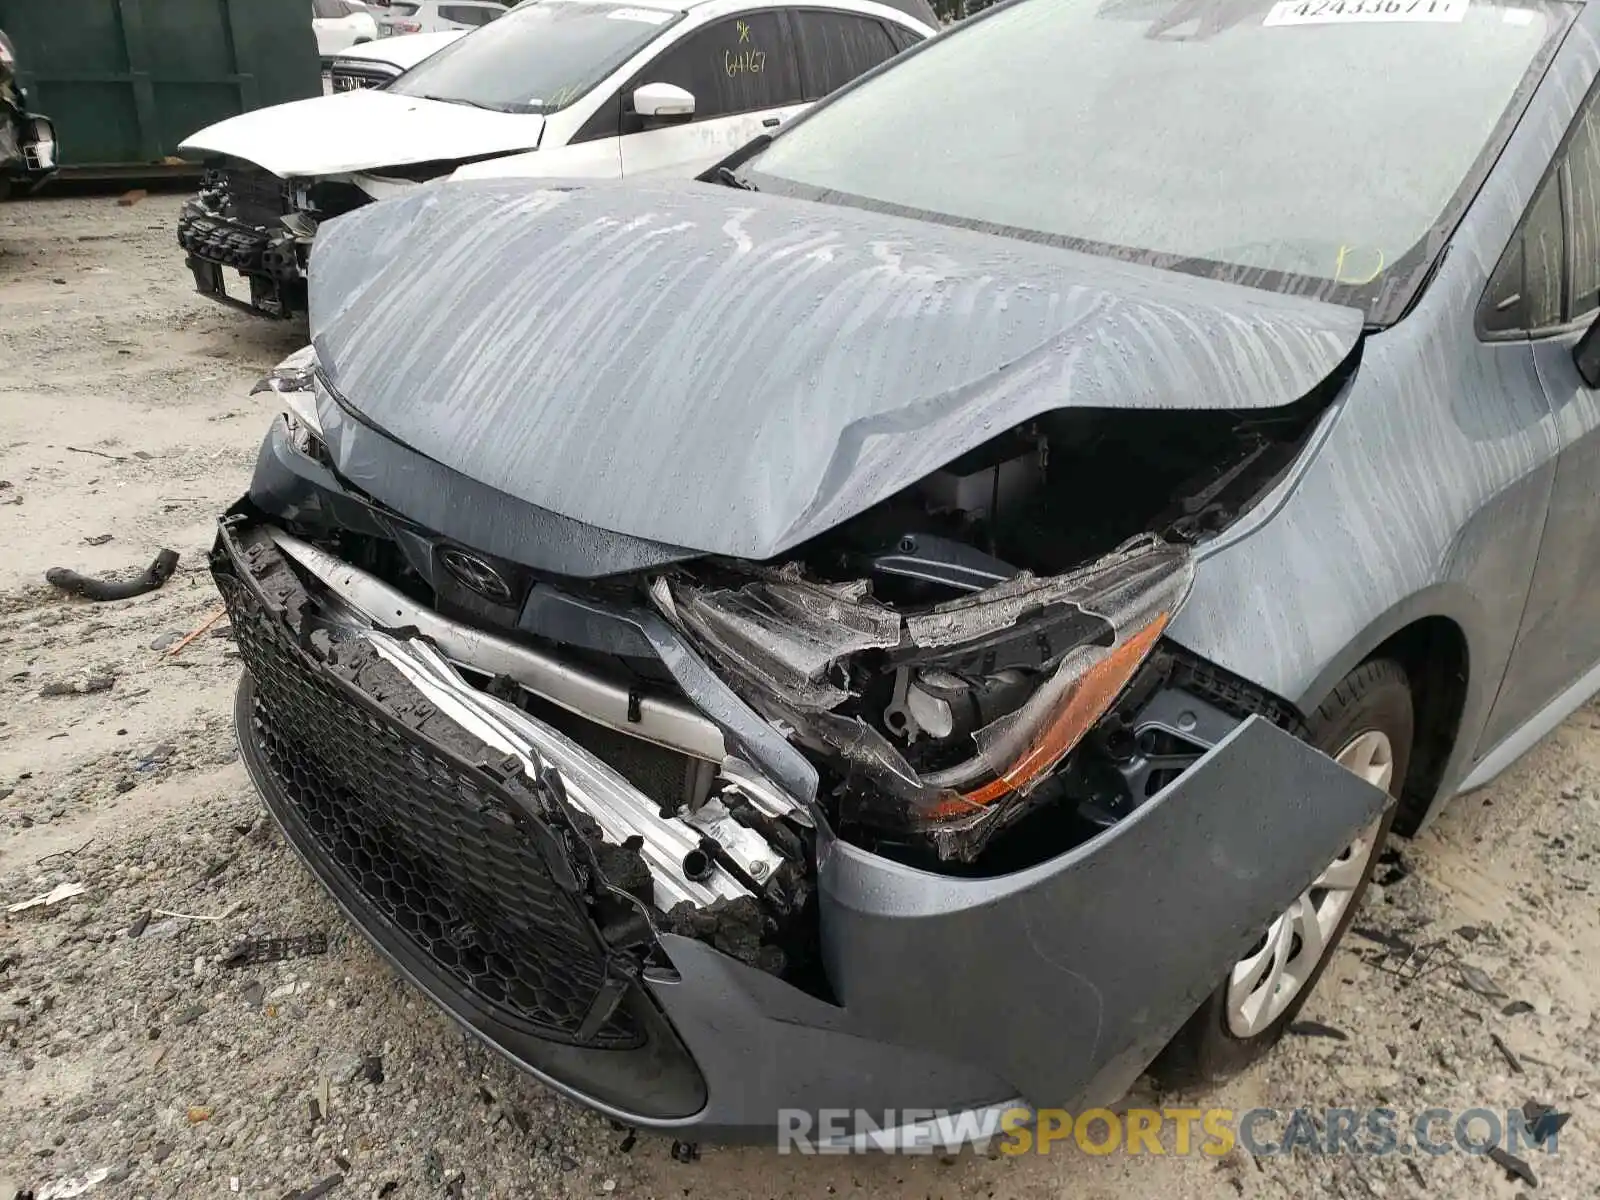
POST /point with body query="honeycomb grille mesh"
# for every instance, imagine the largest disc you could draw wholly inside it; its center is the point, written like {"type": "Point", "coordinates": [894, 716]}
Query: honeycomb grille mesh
{"type": "Point", "coordinates": [449, 864]}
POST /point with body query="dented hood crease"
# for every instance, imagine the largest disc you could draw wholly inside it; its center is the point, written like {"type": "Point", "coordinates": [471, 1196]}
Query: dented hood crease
{"type": "Point", "coordinates": [362, 130]}
{"type": "Point", "coordinates": [734, 372]}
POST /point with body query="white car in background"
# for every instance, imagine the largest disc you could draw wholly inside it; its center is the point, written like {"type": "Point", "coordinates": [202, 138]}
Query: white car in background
{"type": "Point", "coordinates": [594, 89]}
{"type": "Point", "coordinates": [435, 16]}
{"type": "Point", "coordinates": [340, 24]}
{"type": "Point", "coordinates": [373, 64]}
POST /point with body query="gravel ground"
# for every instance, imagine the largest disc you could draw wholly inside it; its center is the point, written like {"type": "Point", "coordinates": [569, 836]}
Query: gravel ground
{"type": "Point", "coordinates": [132, 1056]}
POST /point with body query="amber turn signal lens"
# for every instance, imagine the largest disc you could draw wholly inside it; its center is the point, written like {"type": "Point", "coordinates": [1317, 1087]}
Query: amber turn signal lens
{"type": "Point", "coordinates": [1084, 704]}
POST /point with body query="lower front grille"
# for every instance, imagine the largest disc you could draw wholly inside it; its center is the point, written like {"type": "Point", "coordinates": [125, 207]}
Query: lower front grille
{"type": "Point", "coordinates": [436, 848]}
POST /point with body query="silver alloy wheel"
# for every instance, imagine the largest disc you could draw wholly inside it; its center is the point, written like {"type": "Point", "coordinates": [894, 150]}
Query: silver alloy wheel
{"type": "Point", "coordinates": [1265, 982]}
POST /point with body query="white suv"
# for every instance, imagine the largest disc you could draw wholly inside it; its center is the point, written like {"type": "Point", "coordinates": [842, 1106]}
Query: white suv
{"type": "Point", "coordinates": [435, 16]}
{"type": "Point", "coordinates": [340, 24]}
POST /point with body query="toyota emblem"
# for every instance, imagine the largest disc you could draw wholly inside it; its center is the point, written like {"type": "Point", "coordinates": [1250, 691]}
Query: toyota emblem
{"type": "Point", "coordinates": [476, 575]}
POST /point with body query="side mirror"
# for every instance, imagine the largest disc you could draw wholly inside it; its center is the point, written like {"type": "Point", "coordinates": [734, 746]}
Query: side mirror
{"type": "Point", "coordinates": [1586, 355]}
{"type": "Point", "coordinates": [663, 102]}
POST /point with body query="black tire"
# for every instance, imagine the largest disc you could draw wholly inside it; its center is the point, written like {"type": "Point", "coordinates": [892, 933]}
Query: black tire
{"type": "Point", "coordinates": [1375, 696]}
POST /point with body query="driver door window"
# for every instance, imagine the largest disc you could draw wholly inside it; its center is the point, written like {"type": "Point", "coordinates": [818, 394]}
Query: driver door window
{"type": "Point", "coordinates": [743, 64]}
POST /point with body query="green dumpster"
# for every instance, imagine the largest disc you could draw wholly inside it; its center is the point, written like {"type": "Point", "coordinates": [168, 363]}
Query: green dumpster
{"type": "Point", "coordinates": [126, 80]}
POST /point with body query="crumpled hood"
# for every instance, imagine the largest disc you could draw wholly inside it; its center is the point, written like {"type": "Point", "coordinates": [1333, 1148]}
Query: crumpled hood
{"type": "Point", "coordinates": [734, 372]}
{"type": "Point", "coordinates": [363, 130]}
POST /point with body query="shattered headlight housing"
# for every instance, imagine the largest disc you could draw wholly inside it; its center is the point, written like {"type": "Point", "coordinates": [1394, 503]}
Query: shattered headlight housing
{"type": "Point", "coordinates": [294, 381]}
{"type": "Point", "coordinates": [945, 720]}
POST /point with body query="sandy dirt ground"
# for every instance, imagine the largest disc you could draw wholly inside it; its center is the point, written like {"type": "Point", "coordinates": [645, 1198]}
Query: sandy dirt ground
{"type": "Point", "coordinates": [144, 1066]}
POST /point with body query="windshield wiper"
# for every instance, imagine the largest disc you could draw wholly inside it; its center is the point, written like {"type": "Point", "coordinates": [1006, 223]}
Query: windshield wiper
{"type": "Point", "coordinates": [727, 178]}
{"type": "Point", "coordinates": [468, 103]}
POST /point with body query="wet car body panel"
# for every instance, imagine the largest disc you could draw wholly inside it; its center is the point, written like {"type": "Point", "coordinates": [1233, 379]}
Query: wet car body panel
{"type": "Point", "coordinates": [1070, 976]}
{"type": "Point", "coordinates": [802, 401]}
{"type": "Point", "coordinates": [1459, 477]}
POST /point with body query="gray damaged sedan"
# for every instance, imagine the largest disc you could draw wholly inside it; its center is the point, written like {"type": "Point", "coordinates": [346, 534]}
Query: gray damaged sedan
{"type": "Point", "coordinates": [946, 610]}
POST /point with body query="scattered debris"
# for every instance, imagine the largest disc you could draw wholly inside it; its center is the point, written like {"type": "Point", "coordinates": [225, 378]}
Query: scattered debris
{"type": "Point", "coordinates": [1506, 1053]}
{"type": "Point", "coordinates": [1416, 963]}
{"type": "Point", "coordinates": [80, 687]}
{"type": "Point", "coordinates": [198, 1113]}
{"type": "Point", "coordinates": [1416, 1173]}
{"type": "Point", "coordinates": [160, 1151]}
{"type": "Point", "coordinates": [1544, 1122]}
{"type": "Point", "coordinates": [371, 1068]}
{"type": "Point", "coordinates": [253, 992]}
{"type": "Point", "coordinates": [1475, 980]}
{"type": "Point", "coordinates": [64, 1189]}
{"type": "Point", "coordinates": [1514, 1167]}
{"type": "Point", "coordinates": [96, 453]}
{"type": "Point", "coordinates": [190, 1015]}
{"type": "Point", "coordinates": [73, 853]}
{"type": "Point", "coordinates": [211, 620]}
{"type": "Point", "coordinates": [314, 1110]}
{"type": "Point", "coordinates": [1394, 868]}
{"type": "Point", "coordinates": [629, 1140]}
{"type": "Point", "coordinates": [388, 1187]}
{"type": "Point", "coordinates": [254, 951]}
{"type": "Point", "coordinates": [56, 895]}
{"type": "Point", "coordinates": [1380, 937]}
{"type": "Point", "coordinates": [1469, 933]}
{"type": "Point", "coordinates": [98, 539]}
{"type": "Point", "coordinates": [685, 1152]}
{"type": "Point", "coordinates": [129, 199]}
{"type": "Point", "coordinates": [167, 639]}
{"type": "Point", "coordinates": [90, 588]}
{"type": "Point", "coordinates": [342, 1162]}
{"type": "Point", "coordinates": [318, 1189]}
{"type": "Point", "coordinates": [178, 916]}
{"type": "Point", "coordinates": [1318, 1029]}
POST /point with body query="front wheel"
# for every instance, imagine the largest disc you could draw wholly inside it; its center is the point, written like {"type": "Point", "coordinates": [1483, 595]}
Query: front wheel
{"type": "Point", "coordinates": [1366, 725]}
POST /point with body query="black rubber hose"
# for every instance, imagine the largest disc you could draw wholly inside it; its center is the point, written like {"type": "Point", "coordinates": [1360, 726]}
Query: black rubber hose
{"type": "Point", "coordinates": [89, 588]}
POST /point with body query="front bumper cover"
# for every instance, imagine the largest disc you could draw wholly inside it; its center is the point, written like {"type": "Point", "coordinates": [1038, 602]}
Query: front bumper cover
{"type": "Point", "coordinates": [1057, 984]}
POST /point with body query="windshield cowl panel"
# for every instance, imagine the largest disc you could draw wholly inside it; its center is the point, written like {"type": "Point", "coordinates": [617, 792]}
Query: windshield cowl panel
{"type": "Point", "coordinates": [1290, 145]}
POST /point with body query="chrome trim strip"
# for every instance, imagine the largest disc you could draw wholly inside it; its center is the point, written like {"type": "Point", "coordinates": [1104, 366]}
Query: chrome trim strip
{"type": "Point", "coordinates": [666, 723]}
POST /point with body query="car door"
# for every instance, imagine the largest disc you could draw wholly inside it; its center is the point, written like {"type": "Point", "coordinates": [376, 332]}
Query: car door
{"type": "Point", "coordinates": [1553, 294]}
{"type": "Point", "coordinates": [745, 79]}
{"type": "Point", "coordinates": [837, 47]}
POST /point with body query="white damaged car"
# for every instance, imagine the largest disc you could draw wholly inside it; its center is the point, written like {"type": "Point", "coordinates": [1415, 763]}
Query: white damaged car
{"type": "Point", "coordinates": [592, 89]}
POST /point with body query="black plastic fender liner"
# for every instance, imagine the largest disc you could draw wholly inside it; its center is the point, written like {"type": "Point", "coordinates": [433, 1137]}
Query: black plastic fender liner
{"type": "Point", "coordinates": [1068, 978]}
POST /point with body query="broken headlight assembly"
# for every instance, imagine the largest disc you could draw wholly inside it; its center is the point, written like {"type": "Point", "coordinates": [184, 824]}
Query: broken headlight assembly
{"type": "Point", "coordinates": [940, 724]}
{"type": "Point", "coordinates": [294, 382]}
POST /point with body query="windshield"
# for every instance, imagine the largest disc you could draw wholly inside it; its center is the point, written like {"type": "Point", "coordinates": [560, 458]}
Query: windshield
{"type": "Point", "coordinates": [1313, 146]}
{"type": "Point", "coordinates": [538, 57]}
